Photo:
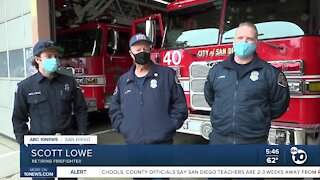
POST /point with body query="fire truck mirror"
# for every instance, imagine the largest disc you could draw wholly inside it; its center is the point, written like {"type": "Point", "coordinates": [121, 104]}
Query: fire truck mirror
{"type": "Point", "coordinates": [115, 40]}
{"type": "Point", "coordinates": [150, 29]}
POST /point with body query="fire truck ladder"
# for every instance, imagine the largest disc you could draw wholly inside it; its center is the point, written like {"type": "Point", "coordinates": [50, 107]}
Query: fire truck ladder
{"type": "Point", "coordinates": [124, 10]}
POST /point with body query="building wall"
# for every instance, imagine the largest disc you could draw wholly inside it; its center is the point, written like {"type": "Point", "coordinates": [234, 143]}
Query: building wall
{"type": "Point", "coordinates": [15, 54]}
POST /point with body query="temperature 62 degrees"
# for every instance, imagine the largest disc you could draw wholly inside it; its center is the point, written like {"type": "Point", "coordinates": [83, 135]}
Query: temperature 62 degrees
{"type": "Point", "coordinates": [272, 160]}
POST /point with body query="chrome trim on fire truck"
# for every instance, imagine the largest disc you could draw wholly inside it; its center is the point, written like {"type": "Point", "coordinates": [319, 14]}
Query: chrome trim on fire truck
{"type": "Point", "coordinates": [295, 126]}
{"type": "Point", "coordinates": [202, 78]}
{"type": "Point", "coordinates": [305, 96]}
{"type": "Point", "coordinates": [295, 86]}
{"type": "Point", "coordinates": [197, 125]}
{"type": "Point", "coordinates": [185, 84]}
{"type": "Point", "coordinates": [198, 72]}
{"type": "Point", "coordinates": [184, 78]}
{"type": "Point", "coordinates": [102, 85]}
{"type": "Point", "coordinates": [284, 133]}
{"type": "Point", "coordinates": [82, 80]}
{"type": "Point", "coordinates": [300, 88]}
{"type": "Point", "coordinates": [303, 77]}
{"type": "Point", "coordinates": [290, 61]}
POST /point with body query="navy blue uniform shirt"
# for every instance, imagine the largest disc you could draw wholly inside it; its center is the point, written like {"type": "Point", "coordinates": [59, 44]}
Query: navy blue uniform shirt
{"type": "Point", "coordinates": [49, 104]}
{"type": "Point", "coordinates": [150, 114]}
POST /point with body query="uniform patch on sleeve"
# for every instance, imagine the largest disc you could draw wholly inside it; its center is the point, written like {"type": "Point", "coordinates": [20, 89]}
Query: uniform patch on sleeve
{"type": "Point", "coordinates": [282, 81]}
{"type": "Point", "coordinates": [177, 80]}
{"type": "Point", "coordinates": [115, 90]}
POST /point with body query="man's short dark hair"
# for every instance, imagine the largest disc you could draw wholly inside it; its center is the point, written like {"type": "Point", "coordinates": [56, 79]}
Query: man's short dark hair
{"type": "Point", "coordinates": [250, 24]}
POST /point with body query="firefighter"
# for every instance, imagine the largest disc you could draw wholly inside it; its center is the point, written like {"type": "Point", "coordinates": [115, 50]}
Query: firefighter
{"type": "Point", "coordinates": [245, 93]}
{"type": "Point", "coordinates": [48, 98]}
{"type": "Point", "coordinates": [148, 104]}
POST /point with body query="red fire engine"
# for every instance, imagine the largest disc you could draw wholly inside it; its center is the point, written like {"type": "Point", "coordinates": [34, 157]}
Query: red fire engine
{"type": "Point", "coordinates": [98, 54]}
{"type": "Point", "coordinates": [199, 34]}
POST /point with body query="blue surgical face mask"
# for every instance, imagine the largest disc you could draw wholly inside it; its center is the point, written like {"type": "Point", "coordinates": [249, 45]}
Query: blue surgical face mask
{"type": "Point", "coordinates": [50, 65]}
{"type": "Point", "coordinates": [243, 49]}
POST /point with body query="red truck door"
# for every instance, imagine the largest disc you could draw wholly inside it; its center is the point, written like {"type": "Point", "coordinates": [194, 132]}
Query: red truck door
{"type": "Point", "coordinates": [117, 60]}
{"type": "Point", "coordinates": [152, 27]}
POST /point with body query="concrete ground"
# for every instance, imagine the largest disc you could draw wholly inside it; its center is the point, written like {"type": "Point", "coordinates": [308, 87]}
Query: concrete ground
{"type": "Point", "coordinates": [9, 159]}
{"type": "Point", "coordinates": [99, 125]}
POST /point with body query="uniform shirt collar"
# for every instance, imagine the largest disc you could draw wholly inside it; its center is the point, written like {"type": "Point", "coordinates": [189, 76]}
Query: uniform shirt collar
{"type": "Point", "coordinates": [39, 77]}
{"type": "Point", "coordinates": [152, 72]}
{"type": "Point", "coordinates": [255, 64]}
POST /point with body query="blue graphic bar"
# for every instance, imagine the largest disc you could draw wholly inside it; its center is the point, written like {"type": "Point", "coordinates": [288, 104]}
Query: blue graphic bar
{"type": "Point", "coordinates": [48, 156]}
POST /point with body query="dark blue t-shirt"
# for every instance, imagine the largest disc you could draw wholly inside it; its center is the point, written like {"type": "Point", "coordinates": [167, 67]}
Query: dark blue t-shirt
{"type": "Point", "coordinates": [240, 68]}
{"type": "Point", "coordinates": [140, 81]}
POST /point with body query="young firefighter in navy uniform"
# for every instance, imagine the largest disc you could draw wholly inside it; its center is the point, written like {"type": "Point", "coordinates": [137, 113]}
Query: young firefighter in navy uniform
{"type": "Point", "coordinates": [245, 93]}
{"type": "Point", "coordinates": [48, 98]}
{"type": "Point", "coordinates": [149, 104]}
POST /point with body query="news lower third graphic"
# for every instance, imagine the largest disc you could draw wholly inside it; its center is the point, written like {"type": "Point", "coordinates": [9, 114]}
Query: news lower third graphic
{"type": "Point", "coordinates": [80, 156]}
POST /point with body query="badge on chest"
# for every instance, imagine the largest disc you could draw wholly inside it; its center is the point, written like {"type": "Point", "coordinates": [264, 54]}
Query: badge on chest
{"type": "Point", "coordinates": [254, 76]}
{"type": "Point", "coordinates": [153, 83]}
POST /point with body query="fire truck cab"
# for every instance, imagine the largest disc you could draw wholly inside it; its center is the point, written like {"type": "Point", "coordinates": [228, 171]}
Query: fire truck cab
{"type": "Point", "coordinates": [97, 53]}
{"type": "Point", "coordinates": [199, 34]}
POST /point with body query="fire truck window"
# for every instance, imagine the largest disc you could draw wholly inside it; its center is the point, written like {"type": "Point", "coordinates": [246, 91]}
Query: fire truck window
{"type": "Point", "coordinates": [123, 46]}
{"type": "Point", "coordinates": [141, 28]}
{"type": "Point", "coordinates": [81, 43]}
{"type": "Point", "coordinates": [274, 18]}
{"type": "Point", "coordinates": [195, 26]}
